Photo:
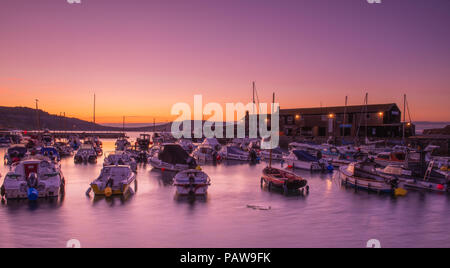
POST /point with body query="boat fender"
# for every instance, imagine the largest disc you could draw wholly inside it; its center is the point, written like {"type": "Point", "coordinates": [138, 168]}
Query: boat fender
{"type": "Point", "coordinates": [2, 191]}
{"type": "Point", "coordinates": [440, 187]}
{"type": "Point", "coordinates": [400, 192]}
{"type": "Point", "coordinates": [330, 168]}
{"type": "Point", "coordinates": [32, 194]}
{"type": "Point", "coordinates": [307, 188]}
{"type": "Point", "coordinates": [108, 191]}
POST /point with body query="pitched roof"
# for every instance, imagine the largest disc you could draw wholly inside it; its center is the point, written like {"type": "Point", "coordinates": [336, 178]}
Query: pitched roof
{"type": "Point", "coordinates": [372, 108]}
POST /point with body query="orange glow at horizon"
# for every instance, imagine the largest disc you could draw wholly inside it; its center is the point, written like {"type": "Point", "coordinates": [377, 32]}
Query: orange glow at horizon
{"type": "Point", "coordinates": [142, 58]}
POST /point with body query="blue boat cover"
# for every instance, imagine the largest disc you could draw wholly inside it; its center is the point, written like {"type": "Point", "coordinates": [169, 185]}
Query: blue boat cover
{"type": "Point", "coordinates": [305, 156]}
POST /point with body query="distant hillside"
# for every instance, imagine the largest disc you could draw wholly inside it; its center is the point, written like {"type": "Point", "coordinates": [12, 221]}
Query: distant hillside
{"type": "Point", "coordinates": [24, 118]}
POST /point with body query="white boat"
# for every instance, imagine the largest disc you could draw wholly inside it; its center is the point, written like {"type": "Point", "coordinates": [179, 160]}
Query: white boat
{"type": "Point", "coordinates": [277, 154]}
{"type": "Point", "coordinates": [5, 141]}
{"type": "Point", "coordinates": [364, 176]}
{"type": "Point", "coordinates": [232, 152]}
{"type": "Point", "coordinates": [122, 144]}
{"type": "Point", "coordinates": [213, 143]}
{"type": "Point", "coordinates": [113, 180]}
{"type": "Point", "coordinates": [34, 177]}
{"type": "Point", "coordinates": [187, 145]}
{"type": "Point", "coordinates": [205, 153]}
{"type": "Point", "coordinates": [172, 157]}
{"type": "Point", "coordinates": [407, 179]}
{"type": "Point", "coordinates": [64, 148]}
{"type": "Point", "coordinates": [303, 160]}
{"type": "Point", "coordinates": [192, 182]}
{"type": "Point", "coordinates": [120, 158]}
{"type": "Point", "coordinates": [86, 154]}
{"type": "Point", "coordinates": [14, 154]}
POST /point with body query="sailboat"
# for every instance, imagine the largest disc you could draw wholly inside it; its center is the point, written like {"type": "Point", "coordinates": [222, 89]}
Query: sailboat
{"type": "Point", "coordinates": [279, 178]}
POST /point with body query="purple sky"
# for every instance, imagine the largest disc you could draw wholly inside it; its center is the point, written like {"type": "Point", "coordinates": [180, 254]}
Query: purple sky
{"type": "Point", "coordinates": [142, 56]}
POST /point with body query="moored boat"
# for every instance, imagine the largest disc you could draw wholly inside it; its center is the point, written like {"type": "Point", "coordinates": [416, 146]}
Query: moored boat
{"type": "Point", "coordinates": [120, 158]}
{"type": "Point", "coordinates": [275, 177]}
{"type": "Point", "coordinates": [303, 160]}
{"type": "Point", "coordinates": [113, 180]}
{"type": "Point", "coordinates": [15, 154]}
{"type": "Point", "coordinates": [192, 182]}
{"type": "Point", "coordinates": [205, 153]}
{"type": "Point", "coordinates": [172, 157]}
{"type": "Point", "coordinates": [32, 178]}
{"type": "Point", "coordinates": [86, 154]}
{"type": "Point", "coordinates": [364, 176]}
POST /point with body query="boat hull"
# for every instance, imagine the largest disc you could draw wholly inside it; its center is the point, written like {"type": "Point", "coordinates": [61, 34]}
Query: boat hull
{"type": "Point", "coordinates": [363, 183]}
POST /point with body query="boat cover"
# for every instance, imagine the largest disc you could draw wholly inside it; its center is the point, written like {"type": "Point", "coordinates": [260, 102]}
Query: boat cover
{"type": "Point", "coordinates": [20, 150]}
{"type": "Point", "coordinates": [305, 156]}
{"type": "Point", "coordinates": [174, 154]}
{"type": "Point", "coordinates": [234, 150]}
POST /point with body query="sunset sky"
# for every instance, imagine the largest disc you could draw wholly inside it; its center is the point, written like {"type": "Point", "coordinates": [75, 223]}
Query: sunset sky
{"type": "Point", "coordinates": [142, 56]}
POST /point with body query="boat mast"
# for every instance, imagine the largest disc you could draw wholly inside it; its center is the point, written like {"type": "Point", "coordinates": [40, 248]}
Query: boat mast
{"type": "Point", "coordinates": [366, 104]}
{"type": "Point", "coordinates": [404, 118]}
{"type": "Point", "coordinates": [345, 117]}
{"type": "Point", "coordinates": [254, 88]}
{"type": "Point", "coordinates": [270, 158]}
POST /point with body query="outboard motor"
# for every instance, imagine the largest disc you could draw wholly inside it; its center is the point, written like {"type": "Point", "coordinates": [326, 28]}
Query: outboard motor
{"type": "Point", "coordinates": [32, 182]}
{"type": "Point", "coordinates": [191, 163]}
{"type": "Point", "coordinates": [253, 156]}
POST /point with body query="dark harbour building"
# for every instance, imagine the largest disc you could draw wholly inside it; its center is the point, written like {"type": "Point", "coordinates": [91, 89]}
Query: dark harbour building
{"type": "Point", "coordinates": [375, 121]}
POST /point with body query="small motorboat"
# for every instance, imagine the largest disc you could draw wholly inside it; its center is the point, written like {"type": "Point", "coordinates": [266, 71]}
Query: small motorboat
{"type": "Point", "coordinates": [5, 141]}
{"type": "Point", "coordinates": [64, 148]}
{"type": "Point", "coordinates": [86, 154]}
{"type": "Point", "coordinates": [74, 142]}
{"type": "Point", "coordinates": [213, 143]}
{"type": "Point", "coordinates": [363, 175]}
{"type": "Point", "coordinates": [206, 153]}
{"type": "Point", "coordinates": [303, 160]}
{"type": "Point", "coordinates": [192, 182]}
{"type": "Point", "coordinates": [96, 145]}
{"type": "Point", "coordinates": [122, 144]}
{"type": "Point", "coordinates": [32, 178]}
{"type": "Point", "coordinates": [274, 177]}
{"type": "Point", "coordinates": [113, 180]}
{"type": "Point", "coordinates": [232, 152]}
{"type": "Point", "coordinates": [387, 158]}
{"type": "Point", "coordinates": [187, 145]}
{"type": "Point", "coordinates": [15, 154]}
{"type": "Point", "coordinates": [120, 158]}
{"type": "Point", "coordinates": [50, 152]}
{"type": "Point", "coordinates": [172, 157]}
{"type": "Point", "coordinates": [431, 181]}
{"type": "Point", "coordinates": [277, 154]}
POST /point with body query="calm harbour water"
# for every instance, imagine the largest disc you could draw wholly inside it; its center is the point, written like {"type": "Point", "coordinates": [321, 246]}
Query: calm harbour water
{"type": "Point", "coordinates": [330, 216]}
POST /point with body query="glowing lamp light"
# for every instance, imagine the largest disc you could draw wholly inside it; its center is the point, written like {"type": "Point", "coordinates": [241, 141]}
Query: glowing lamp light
{"type": "Point", "coordinates": [331, 115]}
{"type": "Point", "coordinates": [380, 114]}
{"type": "Point", "coordinates": [297, 116]}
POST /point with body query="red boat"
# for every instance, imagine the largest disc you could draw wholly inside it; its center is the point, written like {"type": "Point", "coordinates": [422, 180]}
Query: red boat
{"type": "Point", "coordinates": [285, 180]}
